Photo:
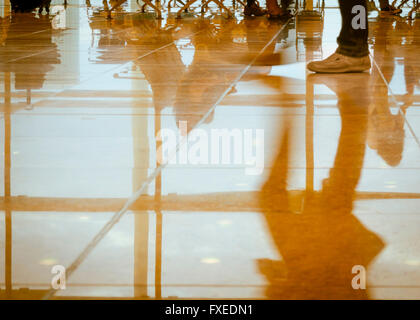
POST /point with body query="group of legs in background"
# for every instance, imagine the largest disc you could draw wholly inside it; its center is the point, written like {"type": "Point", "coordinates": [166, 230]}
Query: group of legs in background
{"type": "Point", "coordinates": [352, 54]}
{"type": "Point", "coordinates": [273, 11]}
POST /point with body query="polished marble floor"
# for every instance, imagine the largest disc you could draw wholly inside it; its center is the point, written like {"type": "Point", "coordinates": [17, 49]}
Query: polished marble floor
{"type": "Point", "coordinates": [83, 100]}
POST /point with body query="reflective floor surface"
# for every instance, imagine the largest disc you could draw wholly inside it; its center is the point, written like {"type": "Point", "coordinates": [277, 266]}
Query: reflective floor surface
{"type": "Point", "coordinates": [319, 186]}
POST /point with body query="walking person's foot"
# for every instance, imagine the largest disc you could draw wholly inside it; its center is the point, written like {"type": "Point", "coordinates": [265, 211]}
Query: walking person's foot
{"type": "Point", "coordinates": [338, 63]}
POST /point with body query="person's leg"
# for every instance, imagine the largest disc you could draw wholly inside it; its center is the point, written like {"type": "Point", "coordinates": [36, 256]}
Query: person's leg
{"type": "Point", "coordinates": [353, 42]}
{"type": "Point", "coordinates": [285, 4]}
{"type": "Point", "coordinates": [352, 54]}
{"type": "Point", "coordinates": [387, 8]}
{"type": "Point", "coordinates": [252, 9]}
{"type": "Point", "coordinates": [273, 9]}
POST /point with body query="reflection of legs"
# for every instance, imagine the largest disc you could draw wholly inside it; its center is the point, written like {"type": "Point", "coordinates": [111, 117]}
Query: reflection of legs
{"type": "Point", "coordinates": [189, 3]}
{"type": "Point", "coordinates": [385, 130]}
{"type": "Point", "coordinates": [163, 71]}
{"type": "Point", "coordinates": [319, 246]}
{"type": "Point", "coordinates": [353, 103]}
{"type": "Point", "coordinates": [275, 11]}
{"type": "Point", "coordinates": [322, 243]}
{"type": "Point", "coordinates": [411, 77]}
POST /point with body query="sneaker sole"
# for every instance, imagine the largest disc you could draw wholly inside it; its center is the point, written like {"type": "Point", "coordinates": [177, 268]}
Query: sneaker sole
{"type": "Point", "coordinates": [346, 70]}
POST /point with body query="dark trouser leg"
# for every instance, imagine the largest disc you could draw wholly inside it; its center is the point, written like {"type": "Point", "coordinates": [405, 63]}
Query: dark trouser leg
{"type": "Point", "coordinates": [285, 3]}
{"type": "Point", "coordinates": [383, 3]}
{"type": "Point", "coordinates": [353, 42]}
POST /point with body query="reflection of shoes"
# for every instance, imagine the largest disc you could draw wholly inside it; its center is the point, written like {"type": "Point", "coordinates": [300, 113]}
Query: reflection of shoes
{"type": "Point", "coordinates": [254, 10]}
{"type": "Point", "coordinates": [269, 59]}
{"type": "Point", "coordinates": [338, 63]}
{"type": "Point", "coordinates": [390, 10]}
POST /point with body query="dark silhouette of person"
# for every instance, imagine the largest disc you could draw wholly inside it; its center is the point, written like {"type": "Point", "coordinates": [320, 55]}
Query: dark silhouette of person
{"type": "Point", "coordinates": [322, 242]}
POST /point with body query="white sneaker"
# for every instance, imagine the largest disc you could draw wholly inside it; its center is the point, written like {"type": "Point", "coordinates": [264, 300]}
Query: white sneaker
{"type": "Point", "coordinates": [337, 63]}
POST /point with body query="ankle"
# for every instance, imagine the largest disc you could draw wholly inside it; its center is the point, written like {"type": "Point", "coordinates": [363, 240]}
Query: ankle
{"type": "Point", "coordinates": [274, 8]}
{"type": "Point", "coordinates": [272, 5]}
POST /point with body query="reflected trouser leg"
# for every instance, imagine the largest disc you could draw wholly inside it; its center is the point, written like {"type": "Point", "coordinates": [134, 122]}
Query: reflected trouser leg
{"type": "Point", "coordinates": [349, 159]}
{"type": "Point", "coordinates": [285, 3]}
{"type": "Point", "coordinates": [383, 4]}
